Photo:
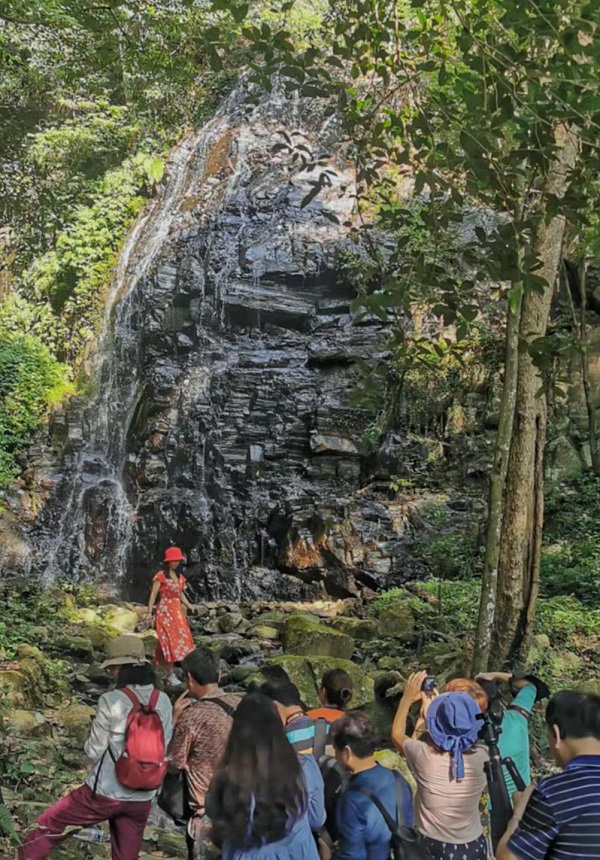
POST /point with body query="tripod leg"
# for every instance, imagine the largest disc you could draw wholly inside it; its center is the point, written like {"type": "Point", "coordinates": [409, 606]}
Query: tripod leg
{"type": "Point", "coordinates": [511, 767]}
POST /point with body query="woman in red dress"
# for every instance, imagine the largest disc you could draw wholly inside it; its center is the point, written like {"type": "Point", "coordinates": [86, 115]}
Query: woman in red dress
{"type": "Point", "coordinates": [170, 622]}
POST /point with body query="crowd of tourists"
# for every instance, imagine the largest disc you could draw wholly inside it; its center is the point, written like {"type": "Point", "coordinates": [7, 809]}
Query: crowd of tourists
{"type": "Point", "coordinates": [258, 777]}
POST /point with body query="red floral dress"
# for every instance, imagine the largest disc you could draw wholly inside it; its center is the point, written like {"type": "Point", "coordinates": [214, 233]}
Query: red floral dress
{"type": "Point", "coordinates": [174, 635]}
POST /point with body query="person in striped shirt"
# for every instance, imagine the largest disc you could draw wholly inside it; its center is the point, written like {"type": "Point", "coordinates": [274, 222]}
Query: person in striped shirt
{"type": "Point", "coordinates": [560, 818]}
{"type": "Point", "coordinates": [299, 728]}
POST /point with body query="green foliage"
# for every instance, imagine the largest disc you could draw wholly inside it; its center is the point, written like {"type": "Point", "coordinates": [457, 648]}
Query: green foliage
{"type": "Point", "coordinates": [566, 619]}
{"type": "Point", "coordinates": [74, 276]}
{"type": "Point", "coordinates": [31, 380]}
{"type": "Point", "coordinates": [444, 552]}
{"type": "Point", "coordinates": [571, 555]}
{"type": "Point", "coordinates": [465, 108]}
{"type": "Point", "coordinates": [33, 616]}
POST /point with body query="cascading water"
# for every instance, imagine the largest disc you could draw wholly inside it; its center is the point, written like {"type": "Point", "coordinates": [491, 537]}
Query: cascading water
{"type": "Point", "coordinates": [222, 421]}
{"type": "Point", "coordinates": [97, 489]}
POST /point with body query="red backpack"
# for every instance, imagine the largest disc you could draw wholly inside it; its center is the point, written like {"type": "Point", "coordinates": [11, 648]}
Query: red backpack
{"type": "Point", "coordinates": [142, 764]}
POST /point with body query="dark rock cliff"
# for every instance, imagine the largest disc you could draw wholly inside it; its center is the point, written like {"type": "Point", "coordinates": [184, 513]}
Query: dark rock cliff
{"type": "Point", "coordinates": [223, 421]}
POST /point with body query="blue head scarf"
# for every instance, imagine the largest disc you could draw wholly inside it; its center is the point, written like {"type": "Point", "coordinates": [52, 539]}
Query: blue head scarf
{"type": "Point", "coordinates": [453, 727]}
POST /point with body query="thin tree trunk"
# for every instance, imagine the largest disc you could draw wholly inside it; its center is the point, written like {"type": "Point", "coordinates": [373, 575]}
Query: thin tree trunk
{"type": "Point", "coordinates": [580, 326]}
{"type": "Point", "coordinates": [519, 543]}
{"type": "Point", "coordinates": [489, 584]}
{"type": "Point", "coordinates": [532, 589]}
{"type": "Point", "coordinates": [585, 372]}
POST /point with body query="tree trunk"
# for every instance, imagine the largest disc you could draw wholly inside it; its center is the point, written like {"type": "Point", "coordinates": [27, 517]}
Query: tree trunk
{"type": "Point", "coordinates": [520, 540]}
{"type": "Point", "coordinates": [532, 586]}
{"type": "Point", "coordinates": [585, 372]}
{"type": "Point", "coordinates": [489, 584]}
{"type": "Point", "coordinates": [580, 327]}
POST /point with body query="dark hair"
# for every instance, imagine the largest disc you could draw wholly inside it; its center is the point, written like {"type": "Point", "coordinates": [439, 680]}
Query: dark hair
{"type": "Point", "coordinates": [283, 692]}
{"type": "Point", "coordinates": [338, 687]}
{"type": "Point", "coordinates": [259, 769]}
{"type": "Point", "coordinates": [577, 715]}
{"type": "Point", "coordinates": [142, 674]}
{"type": "Point", "coordinates": [203, 665]}
{"type": "Point", "coordinates": [355, 731]}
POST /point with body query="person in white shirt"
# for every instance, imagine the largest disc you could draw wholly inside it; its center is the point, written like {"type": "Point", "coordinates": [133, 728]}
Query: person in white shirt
{"type": "Point", "coordinates": [103, 797]}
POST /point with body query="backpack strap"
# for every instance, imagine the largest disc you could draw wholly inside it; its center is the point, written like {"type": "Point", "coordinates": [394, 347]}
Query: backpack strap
{"type": "Point", "coordinates": [520, 710]}
{"type": "Point", "coordinates": [131, 696]}
{"type": "Point", "coordinates": [392, 825]}
{"type": "Point", "coordinates": [153, 700]}
{"type": "Point", "coordinates": [320, 739]}
{"type": "Point", "coordinates": [229, 710]}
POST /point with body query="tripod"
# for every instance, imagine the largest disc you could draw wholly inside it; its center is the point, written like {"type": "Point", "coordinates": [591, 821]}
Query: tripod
{"type": "Point", "coordinates": [500, 802]}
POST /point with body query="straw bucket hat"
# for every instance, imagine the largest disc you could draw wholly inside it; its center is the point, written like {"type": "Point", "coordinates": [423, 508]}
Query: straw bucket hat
{"type": "Point", "coordinates": [124, 651]}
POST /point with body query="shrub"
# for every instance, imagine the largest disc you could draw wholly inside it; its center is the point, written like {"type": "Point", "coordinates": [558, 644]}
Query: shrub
{"type": "Point", "coordinates": [31, 380]}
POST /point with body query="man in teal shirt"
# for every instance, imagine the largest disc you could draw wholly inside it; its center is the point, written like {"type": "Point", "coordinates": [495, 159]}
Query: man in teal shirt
{"type": "Point", "coordinates": [514, 738]}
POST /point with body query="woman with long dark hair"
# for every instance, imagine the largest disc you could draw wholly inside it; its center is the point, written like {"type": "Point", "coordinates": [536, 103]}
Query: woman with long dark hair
{"type": "Point", "coordinates": [265, 800]}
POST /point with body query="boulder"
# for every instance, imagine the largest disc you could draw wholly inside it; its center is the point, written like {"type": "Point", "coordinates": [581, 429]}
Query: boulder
{"type": "Point", "coordinates": [26, 724]}
{"type": "Point", "coordinates": [359, 629]}
{"type": "Point", "coordinates": [76, 721]}
{"type": "Point", "coordinates": [239, 674]}
{"type": "Point", "coordinates": [25, 681]}
{"type": "Point", "coordinates": [540, 646]}
{"type": "Point", "coordinates": [150, 638]}
{"type": "Point", "coordinates": [306, 674]}
{"type": "Point", "coordinates": [303, 636]}
{"type": "Point", "coordinates": [271, 619]}
{"type": "Point", "coordinates": [99, 635]}
{"type": "Point", "coordinates": [78, 646]}
{"type": "Point", "coordinates": [231, 621]}
{"type": "Point", "coordinates": [121, 618]}
{"type": "Point", "coordinates": [263, 631]}
{"type": "Point", "coordinates": [397, 618]}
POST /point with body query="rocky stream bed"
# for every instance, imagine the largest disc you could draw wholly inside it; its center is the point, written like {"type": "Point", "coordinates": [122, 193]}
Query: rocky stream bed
{"type": "Point", "coordinates": [51, 679]}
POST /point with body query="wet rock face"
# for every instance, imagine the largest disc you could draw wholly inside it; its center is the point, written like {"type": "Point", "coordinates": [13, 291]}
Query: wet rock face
{"type": "Point", "coordinates": [224, 423]}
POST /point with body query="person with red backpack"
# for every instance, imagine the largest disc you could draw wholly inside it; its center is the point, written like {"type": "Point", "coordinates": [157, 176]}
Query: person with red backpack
{"type": "Point", "coordinates": [127, 747]}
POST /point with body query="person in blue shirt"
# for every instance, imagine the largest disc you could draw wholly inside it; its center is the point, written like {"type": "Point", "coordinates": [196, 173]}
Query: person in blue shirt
{"type": "Point", "coordinates": [266, 800]}
{"type": "Point", "coordinates": [363, 833]}
{"type": "Point", "coordinates": [514, 738]}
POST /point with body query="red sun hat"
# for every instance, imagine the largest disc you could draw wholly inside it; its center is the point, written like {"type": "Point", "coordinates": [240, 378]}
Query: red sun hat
{"type": "Point", "coordinates": [173, 553]}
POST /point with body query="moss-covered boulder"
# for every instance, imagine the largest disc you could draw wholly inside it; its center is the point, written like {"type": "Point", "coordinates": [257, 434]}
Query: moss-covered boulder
{"type": "Point", "coordinates": [99, 635]}
{"type": "Point", "coordinates": [121, 618]}
{"type": "Point", "coordinates": [359, 629]}
{"type": "Point", "coordinates": [77, 646]}
{"type": "Point", "coordinates": [397, 619]}
{"type": "Point", "coordinates": [27, 724]}
{"type": "Point", "coordinates": [306, 674]}
{"type": "Point", "coordinates": [150, 638]}
{"type": "Point", "coordinates": [76, 721]}
{"type": "Point", "coordinates": [263, 631]}
{"type": "Point", "coordinates": [25, 680]}
{"type": "Point", "coordinates": [272, 619]}
{"type": "Point", "coordinates": [305, 637]}
{"type": "Point", "coordinates": [232, 621]}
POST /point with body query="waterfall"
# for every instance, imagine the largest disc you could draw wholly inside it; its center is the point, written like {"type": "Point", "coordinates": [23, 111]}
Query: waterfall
{"type": "Point", "coordinates": [96, 479]}
{"type": "Point", "coordinates": [222, 420]}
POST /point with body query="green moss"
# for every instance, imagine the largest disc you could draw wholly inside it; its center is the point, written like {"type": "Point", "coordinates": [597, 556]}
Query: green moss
{"type": "Point", "coordinates": [302, 635]}
{"type": "Point", "coordinates": [306, 673]}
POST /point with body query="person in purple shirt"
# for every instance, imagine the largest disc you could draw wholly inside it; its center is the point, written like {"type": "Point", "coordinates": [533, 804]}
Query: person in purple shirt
{"type": "Point", "coordinates": [362, 831]}
{"type": "Point", "coordinates": [560, 818]}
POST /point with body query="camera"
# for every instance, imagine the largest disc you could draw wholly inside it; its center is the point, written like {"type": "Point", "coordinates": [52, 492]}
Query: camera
{"type": "Point", "coordinates": [428, 685]}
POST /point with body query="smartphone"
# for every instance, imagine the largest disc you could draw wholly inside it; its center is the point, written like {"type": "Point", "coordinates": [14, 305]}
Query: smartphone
{"type": "Point", "coordinates": [428, 684]}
